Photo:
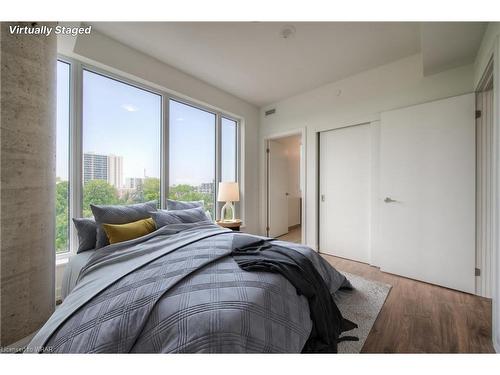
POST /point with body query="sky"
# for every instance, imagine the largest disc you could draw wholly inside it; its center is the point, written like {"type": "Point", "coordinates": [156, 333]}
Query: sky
{"type": "Point", "coordinates": [123, 120]}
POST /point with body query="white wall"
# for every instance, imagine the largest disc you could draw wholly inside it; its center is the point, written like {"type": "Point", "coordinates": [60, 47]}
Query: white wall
{"type": "Point", "coordinates": [354, 100]}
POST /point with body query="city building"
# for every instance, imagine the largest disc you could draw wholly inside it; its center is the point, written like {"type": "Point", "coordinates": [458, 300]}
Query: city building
{"type": "Point", "coordinates": [95, 167]}
{"type": "Point", "coordinates": [206, 188]}
{"type": "Point", "coordinates": [115, 170]}
{"type": "Point", "coordinates": [103, 167]}
{"type": "Point", "coordinates": [134, 182]}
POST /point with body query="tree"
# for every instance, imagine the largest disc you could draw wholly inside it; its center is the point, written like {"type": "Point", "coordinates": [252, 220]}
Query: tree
{"type": "Point", "coordinates": [151, 189]}
{"type": "Point", "coordinates": [98, 192]}
{"type": "Point", "coordinates": [188, 193]}
{"type": "Point", "coordinates": [62, 215]}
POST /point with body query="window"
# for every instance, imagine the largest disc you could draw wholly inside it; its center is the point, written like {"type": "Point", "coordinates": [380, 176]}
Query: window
{"type": "Point", "coordinates": [228, 149]}
{"type": "Point", "coordinates": [62, 156]}
{"type": "Point", "coordinates": [115, 147]}
{"type": "Point", "coordinates": [121, 127]}
{"type": "Point", "coordinates": [192, 154]}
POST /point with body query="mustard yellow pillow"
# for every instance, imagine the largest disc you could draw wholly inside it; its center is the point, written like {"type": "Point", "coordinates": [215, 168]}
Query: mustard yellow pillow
{"type": "Point", "coordinates": [124, 232]}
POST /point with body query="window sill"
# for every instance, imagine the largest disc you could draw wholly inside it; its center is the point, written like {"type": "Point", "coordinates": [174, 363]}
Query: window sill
{"type": "Point", "coordinates": [62, 258]}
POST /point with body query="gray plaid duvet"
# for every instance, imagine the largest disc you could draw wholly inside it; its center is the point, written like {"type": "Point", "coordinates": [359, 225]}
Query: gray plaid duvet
{"type": "Point", "coordinates": [177, 291]}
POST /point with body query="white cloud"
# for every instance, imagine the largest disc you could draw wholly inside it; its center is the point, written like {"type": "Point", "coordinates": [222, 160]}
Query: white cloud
{"type": "Point", "coordinates": [129, 108]}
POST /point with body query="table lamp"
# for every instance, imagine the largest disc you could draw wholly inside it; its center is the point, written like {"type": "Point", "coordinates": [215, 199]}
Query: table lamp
{"type": "Point", "coordinates": [229, 192]}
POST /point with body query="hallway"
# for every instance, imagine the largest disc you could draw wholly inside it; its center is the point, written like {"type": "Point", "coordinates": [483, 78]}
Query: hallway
{"type": "Point", "coordinates": [294, 235]}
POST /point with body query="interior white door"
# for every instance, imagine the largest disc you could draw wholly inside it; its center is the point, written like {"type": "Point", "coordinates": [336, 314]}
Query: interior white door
{"type": "Point", "coordinates": [345, 192]}
{"type": "Point", "coordinates": [427, 183]}
{"type": "Point", "coordinates": [277, 188]}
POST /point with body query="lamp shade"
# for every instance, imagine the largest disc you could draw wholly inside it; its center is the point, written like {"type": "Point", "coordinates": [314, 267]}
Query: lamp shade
{"type": "Point", "coordinates": [228, 192]}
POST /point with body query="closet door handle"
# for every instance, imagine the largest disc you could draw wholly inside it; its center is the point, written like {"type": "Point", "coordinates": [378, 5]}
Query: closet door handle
{"type": "Point", "coordinates": [389, 200]}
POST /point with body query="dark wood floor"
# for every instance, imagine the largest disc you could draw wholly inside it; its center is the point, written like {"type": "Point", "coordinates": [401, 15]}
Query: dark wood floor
{"type": "Point", "coordinates": [424, 318]}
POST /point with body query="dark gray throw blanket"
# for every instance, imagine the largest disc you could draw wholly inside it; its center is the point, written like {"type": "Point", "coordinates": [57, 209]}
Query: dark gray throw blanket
{"type": "Point", "coordinates": [178, 290]}
{"type": "Point", "coordinates": [266, 256]}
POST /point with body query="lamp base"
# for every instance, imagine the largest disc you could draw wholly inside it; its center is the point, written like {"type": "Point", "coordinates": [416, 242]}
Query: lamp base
{"type": "Point", "coordinates": [228, 205]}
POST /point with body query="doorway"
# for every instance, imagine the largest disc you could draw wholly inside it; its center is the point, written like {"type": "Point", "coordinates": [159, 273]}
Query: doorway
{"type": "Point", "coordinates": [284, 203]}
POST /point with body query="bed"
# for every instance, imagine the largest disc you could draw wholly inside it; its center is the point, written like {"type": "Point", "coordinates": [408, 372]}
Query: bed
{"type": "Point", "coordinates": [72, 271]}
{"type": "Point", "coordinates": [178, 290]}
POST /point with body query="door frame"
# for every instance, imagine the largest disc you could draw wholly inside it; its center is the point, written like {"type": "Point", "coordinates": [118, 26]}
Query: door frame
{"type": "Point", "coordinates": [485, 276]}
{"type": "Point", "coordinates": [494, 60]}
{"type": "Point", "coordinates": [303, 173]}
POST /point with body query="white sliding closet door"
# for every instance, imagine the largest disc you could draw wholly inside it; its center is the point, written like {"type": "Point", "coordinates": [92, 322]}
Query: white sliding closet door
{"type": "Point", "coordinates": [345, 172]}
{"type": "Point", "coordinates": [427, 207]}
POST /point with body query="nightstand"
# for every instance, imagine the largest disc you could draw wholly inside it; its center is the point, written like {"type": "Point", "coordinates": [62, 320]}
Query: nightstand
{"type": "Point", "coordinates": [233, 225]}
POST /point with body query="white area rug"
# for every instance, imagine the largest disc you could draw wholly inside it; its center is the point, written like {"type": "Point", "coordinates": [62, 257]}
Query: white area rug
{"type": "Point", "coordinates": [361, 306]}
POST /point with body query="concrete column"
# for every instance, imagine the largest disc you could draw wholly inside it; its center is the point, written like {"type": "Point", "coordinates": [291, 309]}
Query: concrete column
{"type": "Point", "coordinates": [27, 182]}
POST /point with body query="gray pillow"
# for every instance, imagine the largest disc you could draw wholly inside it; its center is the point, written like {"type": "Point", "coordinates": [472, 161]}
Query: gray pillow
{"type": "Point", "coordinates": [119, 215]}
{"type": "Point", "coordinates": [191, 215]}
{"type": "Point", "coordinates": [182, 205]}
{"type": "Point", "coordinates": [87, 233]}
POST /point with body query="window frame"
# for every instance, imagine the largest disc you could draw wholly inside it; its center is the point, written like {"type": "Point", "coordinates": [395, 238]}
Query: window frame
{"type": "Point", "coordinates": [64, 254]}
{"type": "Point", "coordinates": [237, 145]}
{"type": "Point", "coordinates": [163, 126]}
{"type": "Point", "coordinates": [75, 176]}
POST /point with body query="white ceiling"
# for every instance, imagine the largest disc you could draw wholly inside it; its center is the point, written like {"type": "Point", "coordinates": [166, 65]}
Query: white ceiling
{"type": "Point", "coordinates": [252, 61]}
{"type": "Point", "coordinates": [446, 45]}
